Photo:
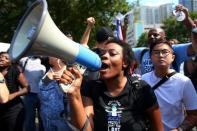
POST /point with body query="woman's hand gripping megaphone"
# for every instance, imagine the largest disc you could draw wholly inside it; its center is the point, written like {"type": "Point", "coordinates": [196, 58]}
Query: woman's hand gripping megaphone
{"type": "Point", "coordinates": [71, 79]}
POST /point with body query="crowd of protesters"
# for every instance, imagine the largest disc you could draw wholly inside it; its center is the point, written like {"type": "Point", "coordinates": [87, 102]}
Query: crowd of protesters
{"type": "Point", "coordinates": [121, 96]}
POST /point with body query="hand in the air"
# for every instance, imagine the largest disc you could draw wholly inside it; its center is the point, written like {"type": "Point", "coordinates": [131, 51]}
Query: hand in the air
{"type": "Point", "coordinates": [180, 7]}
{"type": "Point", "coordinates": [91, 21]}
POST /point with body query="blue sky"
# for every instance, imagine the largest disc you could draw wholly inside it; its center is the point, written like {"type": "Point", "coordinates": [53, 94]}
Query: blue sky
{"type": "Point", "coordinates": [154, 2]}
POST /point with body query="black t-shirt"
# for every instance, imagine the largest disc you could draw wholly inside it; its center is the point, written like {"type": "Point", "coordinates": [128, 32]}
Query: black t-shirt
{"type": "Point", "coordinates": [12, 78]}
{"type": "Point", "coordinates": [190, 70]}
{"type": "Point", "coordinates": [123, 112]}
{"type": "Point", "coordinates": [13, 86]}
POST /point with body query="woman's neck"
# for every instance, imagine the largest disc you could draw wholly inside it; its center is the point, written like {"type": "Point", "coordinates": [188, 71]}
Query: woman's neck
{"type": "Point", "coordinates": [58, 71]}
{"type": "Point", "coordinates": [4, 70]}
{"type": "Point", "coordinates": [58, 68]}
{"type": "Point", "coordinates": [116, 85]}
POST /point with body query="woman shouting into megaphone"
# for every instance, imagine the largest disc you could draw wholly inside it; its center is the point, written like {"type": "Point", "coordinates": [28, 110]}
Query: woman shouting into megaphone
{"type": "Point", "coordinates": [116, 101]}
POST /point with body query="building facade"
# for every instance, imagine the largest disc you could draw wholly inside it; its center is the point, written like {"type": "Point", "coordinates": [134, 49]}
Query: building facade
{"type": "Point", "coordinates": [152, 16]}
{"type": "Point", "coordinates": [190, 4]}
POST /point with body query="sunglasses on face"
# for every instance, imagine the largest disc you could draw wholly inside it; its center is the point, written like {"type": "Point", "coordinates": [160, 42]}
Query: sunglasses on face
{"type": "Point", "coordinates": [102, 52]}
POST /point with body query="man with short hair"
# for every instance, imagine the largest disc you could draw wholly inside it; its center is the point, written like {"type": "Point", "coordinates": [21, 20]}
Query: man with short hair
{"type": "Point", "coordinates": [182, 51]}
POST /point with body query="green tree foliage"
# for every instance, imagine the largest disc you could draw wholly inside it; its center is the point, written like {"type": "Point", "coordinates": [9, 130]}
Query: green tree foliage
{"type": "Point", "coordinates": [68, 15]}
{"type": "Point", "coordinates": [142, 41]}
{"type": "Point", "coordinates": [10, 13]}
{"type": "Point", "coordinates": [193, 15]}
{"type": "Point", "coordinates": [72, 14]}
{"type": "Point", "coordinates": [174, 30]}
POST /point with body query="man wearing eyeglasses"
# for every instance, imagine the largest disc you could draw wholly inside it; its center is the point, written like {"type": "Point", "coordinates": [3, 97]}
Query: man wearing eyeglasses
{"type": "Point", "coordinates": [182, 51]}
{"type": "Point", "coordinates": [175, 92]}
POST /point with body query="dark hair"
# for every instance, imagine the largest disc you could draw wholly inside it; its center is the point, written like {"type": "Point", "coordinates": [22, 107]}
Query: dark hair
{"type": "Point", "coordinates": [3, 52]}
{"type": "Point", "coordinates": [68, 33]}
{"type": "Point", "coordinates": [159, 42]}
{"type": "Point", "coordinates": [103, 34]}
{"type": "Point", "coordinates": [128, 54]}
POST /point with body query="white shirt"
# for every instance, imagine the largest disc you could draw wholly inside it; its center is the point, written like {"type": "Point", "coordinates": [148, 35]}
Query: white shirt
{"type": "Point", "coordinates": [33, 72]}
{"type": "Point", "coordinates": [173, 96]}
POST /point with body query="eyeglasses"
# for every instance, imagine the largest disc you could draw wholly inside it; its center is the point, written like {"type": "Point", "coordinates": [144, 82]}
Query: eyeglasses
{"type": "Point", "coordinates": [102, 52]}
{"type": "Point", "coordinates": [164, 52]}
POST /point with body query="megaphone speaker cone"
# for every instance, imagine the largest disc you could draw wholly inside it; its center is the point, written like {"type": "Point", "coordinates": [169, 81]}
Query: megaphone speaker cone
{"type": "Point", "coordinates": [37, 34]}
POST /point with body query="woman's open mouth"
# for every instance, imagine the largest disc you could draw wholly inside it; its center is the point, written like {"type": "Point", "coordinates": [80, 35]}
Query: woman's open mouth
{"type": "Point", "coordinates": [104, 66]}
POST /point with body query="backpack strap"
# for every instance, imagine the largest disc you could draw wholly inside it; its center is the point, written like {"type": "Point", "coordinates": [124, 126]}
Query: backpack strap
{"type": "Point", "coordinates": [175, 65]}
{"type": "Point", "coordinates": [136, 93]}
{"type": "Point", "coordinates": [23, 67]}
{"type": "Point", "coordinates": [142, 54]}
{"type": "Point", "coordinates": [164, 79]}
{"type": "Point", "coordinates": [135, 86]}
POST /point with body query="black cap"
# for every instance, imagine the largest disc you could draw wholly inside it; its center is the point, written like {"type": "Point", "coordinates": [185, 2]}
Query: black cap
{"type": "Point", "coordinates": [103, 34]}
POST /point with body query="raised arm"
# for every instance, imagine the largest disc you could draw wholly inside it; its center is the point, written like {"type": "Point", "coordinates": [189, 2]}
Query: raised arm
{"type": "Point", "coordinates": [190, 24]}
{"type": "Point", "coordinates": [86, 34]}
{"type": "Point", "coordinates": [4, 92]}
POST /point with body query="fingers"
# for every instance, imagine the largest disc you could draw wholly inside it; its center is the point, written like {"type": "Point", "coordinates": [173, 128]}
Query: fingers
{"type": "Point", "coordinates": [56, 77]}
{"type": "Point", "coordinates": [195, 22]}
{"type": "Point", "coordinates": [181, 8]}
{"type": "Point", "coordinates": [76, 72]}
{"type": "Point", "coordinates": [91, 21]}
{"type": "Point", "coordinates": [67, 77]}
{"type": "Point", "coordinates": [71, 80]}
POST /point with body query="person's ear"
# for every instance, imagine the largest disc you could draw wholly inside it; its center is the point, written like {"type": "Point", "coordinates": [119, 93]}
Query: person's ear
{"type": "Point", "coordinates": [173, 57]}
{"type": "Point", "coordinates": [124, 64]}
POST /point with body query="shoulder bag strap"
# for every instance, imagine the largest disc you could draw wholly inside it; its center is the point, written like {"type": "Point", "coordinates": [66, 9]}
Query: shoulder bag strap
{"type": "Point", "coordinates": [142, 54]}
{"type": "Point", "coordinates": [164, 79]}
{"type": "Point", "coordinates": [23, 68]}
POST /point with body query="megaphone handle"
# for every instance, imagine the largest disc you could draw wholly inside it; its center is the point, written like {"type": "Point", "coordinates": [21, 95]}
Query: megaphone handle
{"type": "Point", "coordinates": [65, 87]}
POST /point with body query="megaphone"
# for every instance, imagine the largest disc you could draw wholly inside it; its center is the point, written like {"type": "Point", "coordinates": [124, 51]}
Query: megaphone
{"type": "Point", "coordinates": [37, 34]}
